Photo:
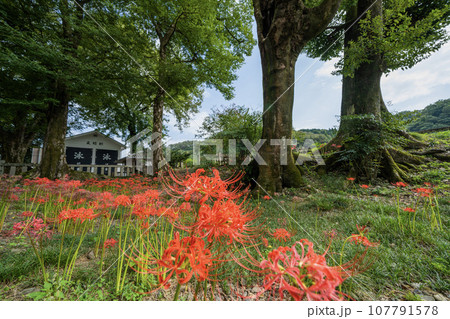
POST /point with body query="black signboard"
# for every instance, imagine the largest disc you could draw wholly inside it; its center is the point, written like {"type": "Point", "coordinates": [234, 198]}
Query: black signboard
{"type": "Point", "coordinates": [105, 157]}
{"type": "Point", "coordinates": [78, 156]}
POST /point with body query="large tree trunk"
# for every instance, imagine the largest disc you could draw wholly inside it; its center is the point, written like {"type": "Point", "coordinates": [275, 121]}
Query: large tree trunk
{"type": "Point", "coordinates": [278, 76]}
{"type": "Point", "coordinates": [53, 164]}
{"type": "Point", "coordinates": [348, 82]}
{"type": "Point", "coordinates": [158, 112]}
{"type": "Point", "coordinates": [284, 28]}
{"type": "Point", "coordinates": [361, 95]}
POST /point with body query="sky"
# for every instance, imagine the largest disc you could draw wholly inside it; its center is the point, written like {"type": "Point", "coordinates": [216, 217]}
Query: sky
{"type": "Point", "coordinates": [317, 93]}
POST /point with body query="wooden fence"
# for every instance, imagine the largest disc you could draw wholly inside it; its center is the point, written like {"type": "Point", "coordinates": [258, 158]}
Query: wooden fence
{"type": "Point", "coordinates": [15, 168]}
{"type": "Point", "coordinates": [108, 170]}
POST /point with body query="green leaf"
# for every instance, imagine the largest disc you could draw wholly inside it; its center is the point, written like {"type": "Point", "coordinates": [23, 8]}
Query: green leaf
{"type": "Point", "coordinates": [47, 286]}
{"type": "Point", "coordinates": [37, 295]}
{"type": "Point", "coordinates": [59, 295]}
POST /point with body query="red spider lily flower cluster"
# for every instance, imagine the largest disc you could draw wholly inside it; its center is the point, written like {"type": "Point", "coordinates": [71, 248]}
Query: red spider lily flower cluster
{"type": "Point", "coordinates": [409, 210]}
{"type": "Point", "coordinates": [184, 257]}
{"type": "Point", "coordinates": [205, 186]}
{"type": "Point", "coordinates": [361, 238]}
{"type": "Point", "coordinates": [281, 234]}
{"type": "Point", "coordinates": [400, 184]}
{"type": "Point", "coordinates": [225, 220]}
{"type": "Point", "coordinates": [219, 218]}
{"type": "Point", "coordinates": [34, 228]}
{"type": "Point", "coordinates": [82, 214]}
{"type": "Point", "coordinates": [122, 200]}
{"type": "Point", "coordinates": [109, 243]}
{"type": "Point", "coordinates": [301, 275]}
{"type": "Point", "coordinates": [267, 197]}
{"type": "Point", "coordinates": [364, 186]}
{"type": "Point", "coordinates": [27, 214]}
{"type": "Point", "coordinates": [423, 192]}
{"type": "Point", "coordinates": [351, 179]}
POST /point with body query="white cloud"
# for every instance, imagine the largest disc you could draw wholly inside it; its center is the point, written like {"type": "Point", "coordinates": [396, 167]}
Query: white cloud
{"type": "Point", "coordinates": [423, 80]}
{"type": "Point", "coordinates": [189, 131]}
{"type": "Point", "coordinates": [326, 69]}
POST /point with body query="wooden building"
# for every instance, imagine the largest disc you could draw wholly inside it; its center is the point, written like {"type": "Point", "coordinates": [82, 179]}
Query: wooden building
{"type": "Point", "coordinates": [93, 150]}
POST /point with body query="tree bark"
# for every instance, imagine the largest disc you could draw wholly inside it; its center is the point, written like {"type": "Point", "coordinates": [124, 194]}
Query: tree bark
{"type": "Point", "coordinates": [284, 28]}
{"type": "Point", "coordinates": [53, 164]}
{"type": "Point", "coordinates": [348, 82]}
{"type": "Point", "coordinates": [367, 77]}
{"type": "Point", "coordinates": [158, 112]}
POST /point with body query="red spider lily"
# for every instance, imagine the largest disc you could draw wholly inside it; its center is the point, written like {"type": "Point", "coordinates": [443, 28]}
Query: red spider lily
{"type": "Point", "coordinates": [224, 220]}
{"type": "Point", "coordinates": [82, 214]}
{"type": "Point", "coordinates": [13, 197]}
{"type": "Point", "coordinates": [409, 210]}
{"type": "Point", "coordinates": [301, 275]}
{"type": "Point", "coordinates": [186, 257]}
{"type": "Point", "coordinates": [152, 194]}
{"type": "Point", "coordinates": [139, 200]}
{"type": "Point", "coordinates": [281, 234]}
{"type": "Point", "coordinates": [80, 202]}
{"type": "Point", "coordinates": [364, 186]}
{"type": "Point", "coordinates": [191, 250]}
{"type": "Point", "coordinates": [35, 228]}
{"type": "Point", "coordinates": [122, 200]}
{"type": "Point", "coordinates": [267, 197]}
{"type": "Point", "coordinates": [185, 207]}
{"type": "Point", "coordinates": [110, 243]}
{"type": "Point", "coordinates": [427, 184]}
{"type": "Point", "coordinates": [27, 214]}
{"type": "Point", "coordinates": [169, 212]}
{"type": "Point", "coordinates": [144, 212]}
{"type": "Point", "coordinates": [423, 192]}
{"type": "Point", "coordinates": [205, 186]}
{"type": "Point", "coordinates": [400, 184]}
{"type": "Point", "coordinates": [265, 242]}
{"type": "Point", "coordinates": [351, 179]}
{"type": "Point", "coordinates": [361, 237]}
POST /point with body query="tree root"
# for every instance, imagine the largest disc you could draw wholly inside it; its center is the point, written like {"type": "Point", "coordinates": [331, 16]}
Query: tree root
{"type": "Point", "coordinates": [391, 170]}
{"type": "Point", "coordinates": [411, 141]}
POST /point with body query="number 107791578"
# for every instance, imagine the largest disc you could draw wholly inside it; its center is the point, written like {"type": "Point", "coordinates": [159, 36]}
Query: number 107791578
{"type": "Point", "coordinates": [410, 310]}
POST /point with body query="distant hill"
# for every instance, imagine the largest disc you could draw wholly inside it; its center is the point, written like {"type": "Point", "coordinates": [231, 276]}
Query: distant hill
{"type": "Point", "coordinates": [319, 136]}
{"type": "Point", "coordinates": [182, 146]}
{"type": "Point", "coordinates": [434, 116]}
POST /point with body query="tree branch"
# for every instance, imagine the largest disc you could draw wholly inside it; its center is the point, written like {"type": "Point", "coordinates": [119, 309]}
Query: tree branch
{"type": "Point", "coordinates": [321, 16]}
{"type": "Point", "coordinates": [169, 33]}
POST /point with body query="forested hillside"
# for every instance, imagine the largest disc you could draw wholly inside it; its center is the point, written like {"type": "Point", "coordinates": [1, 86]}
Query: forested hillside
{"type": "Point", "coordinates": [434, 116]}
